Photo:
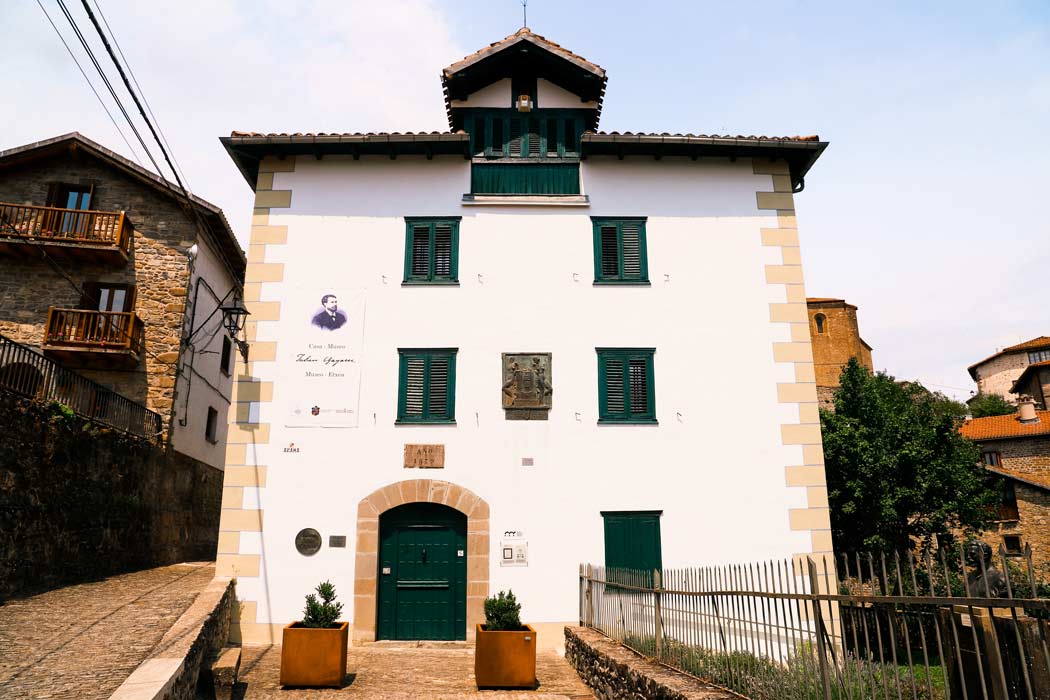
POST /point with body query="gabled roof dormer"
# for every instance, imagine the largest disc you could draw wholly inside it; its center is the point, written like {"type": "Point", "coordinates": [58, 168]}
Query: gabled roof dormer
{"type": "Point", "coordinates": [524, 64]}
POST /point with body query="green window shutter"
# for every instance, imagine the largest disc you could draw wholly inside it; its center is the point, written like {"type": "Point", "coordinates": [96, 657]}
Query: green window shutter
{"type": "Point", "coordinates": [515, 137]}
{"type": "Point", "coordinates": [632, 542]}
{"type": "Point", "coordinates": [426, 386]}
{"type": "Point", "coordinates": [620, 255]}
{"type": "Point", "coordinates": [626, 389]}
{"type": "Point", "coordinates": [432, 251]}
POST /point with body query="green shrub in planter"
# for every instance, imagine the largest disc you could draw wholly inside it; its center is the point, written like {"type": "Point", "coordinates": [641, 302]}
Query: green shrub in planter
{"type": "Point", "coordinates": [502, 612]}
{"type": "Point", "coordinates": [322, 614]}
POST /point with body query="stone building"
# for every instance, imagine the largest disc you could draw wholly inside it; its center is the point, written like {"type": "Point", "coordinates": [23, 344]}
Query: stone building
{"type": "Point", "coordinates": [1034, 382]}
{"type": "Point", "coordinates": [1016, 447]}
{"type": "Point", "coordinates": [478, 357]}
{"type": "Point", "coordinates": [835, 335]}
{"type": "Point", "coordinates": [108, 269]}
{"type": "Point", "coordinates": [997, 373]}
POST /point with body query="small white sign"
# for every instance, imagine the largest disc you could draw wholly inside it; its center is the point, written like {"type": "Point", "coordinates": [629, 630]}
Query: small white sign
{"type": "Point", "coordinates": [459, 552]}
{"type": "Point", "coordinates": [386, 570]}
{"type": "Point", "coordinates": [514, 553]}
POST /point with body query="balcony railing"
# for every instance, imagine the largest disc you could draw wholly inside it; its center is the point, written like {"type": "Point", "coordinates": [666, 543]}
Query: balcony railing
{"type": "Point", "coordinates": [117, 332]}
{"type": "Point", "coordinates": [72, 229]}
{"type": "Point", "coordinates": [28, 373]}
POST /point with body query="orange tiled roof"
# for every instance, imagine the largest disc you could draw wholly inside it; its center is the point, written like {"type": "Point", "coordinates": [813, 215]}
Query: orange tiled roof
{"type": "Point", "coordinates": [1040, 342]}
{"type": "Point", "coordinates": [1042, 480]}
{"type": "Point", "coordinates": [524, 33]}
{"type": "Point", "coordinates": [1002, 427]}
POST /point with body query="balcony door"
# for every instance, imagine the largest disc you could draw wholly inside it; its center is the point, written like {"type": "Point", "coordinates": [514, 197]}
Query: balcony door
{"type": "Point", "coordinates": [77, 198]}
{"type": "Point", "coordinates": [113, 301]}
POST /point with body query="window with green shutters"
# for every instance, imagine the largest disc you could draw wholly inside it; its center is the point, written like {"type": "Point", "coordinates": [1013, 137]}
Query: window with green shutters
{"type": "Point", "coordinates": [619, 251]}
{"type": "Point", "coordinates": [632, 541]}
{"type": "Point", "coordinates": [426, 386]}
{"type": "Point", "coordinates": [432, 250]}
{"type": "Point", "coordinates": [626, 391]}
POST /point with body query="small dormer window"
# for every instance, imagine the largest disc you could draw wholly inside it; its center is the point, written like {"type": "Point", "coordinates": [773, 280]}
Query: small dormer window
{"type": "Point", "coordinates": [821, 322]}
{"type": "Point", "coordinates": [1038, 356]}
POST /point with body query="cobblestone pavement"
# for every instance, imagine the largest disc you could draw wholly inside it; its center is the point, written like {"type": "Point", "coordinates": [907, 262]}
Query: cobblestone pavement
{"type": "Point", "coordinates": [396, 672]}
{"type": "Point", "coordinates": [82, 641]}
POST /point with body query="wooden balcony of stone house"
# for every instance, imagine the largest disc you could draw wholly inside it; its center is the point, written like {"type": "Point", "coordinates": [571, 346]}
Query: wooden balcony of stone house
{"type": "Point", "coordinates": [95, 338]}
{"type": "Point", "coordinates": [67, 235]}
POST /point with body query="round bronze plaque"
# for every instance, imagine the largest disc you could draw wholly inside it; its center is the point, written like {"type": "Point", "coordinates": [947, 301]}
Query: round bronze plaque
{"type": "Point", "coordinates": [308, 542]}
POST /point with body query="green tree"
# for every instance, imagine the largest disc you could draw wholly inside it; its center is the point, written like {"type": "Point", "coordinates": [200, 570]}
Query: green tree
{"type": "Point", "coordinates": [990, 405]}
{"type": "Point", "coordinates": [897, 467]}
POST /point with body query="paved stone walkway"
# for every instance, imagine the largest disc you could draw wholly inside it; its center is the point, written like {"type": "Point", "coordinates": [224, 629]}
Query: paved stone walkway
{"type": "Point", "coordinates": [83, 641]}
{"type": "Point", "coordinates": [385, 671]}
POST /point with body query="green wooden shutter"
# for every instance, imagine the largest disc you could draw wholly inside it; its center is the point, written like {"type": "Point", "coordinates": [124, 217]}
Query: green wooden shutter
{"type": "Point", "coordinates": [442, 251]}
{"type": "Point", "coordinates": [632, 541]}
{"type": "Point", "coordinates": [620, 252]}
{"type": "Point", "coordinates": [626, 392]}
{"type": "Point", "coordinates": [431, 251]}
{"type": "Point", "coordinates": [426, 386]}
{"type": "Point", "coordinates": [420, 265]}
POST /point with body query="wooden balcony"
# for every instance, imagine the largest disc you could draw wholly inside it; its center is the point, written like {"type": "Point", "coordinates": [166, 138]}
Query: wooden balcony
{"type": "Point", "coordinates": [100, 337]}
{"type": "Point", "coordinates": [66, 234]}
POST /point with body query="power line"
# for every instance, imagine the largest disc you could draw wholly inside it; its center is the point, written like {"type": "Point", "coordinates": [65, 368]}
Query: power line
{"type": "Point", "coordinates": [149, 108]}
{"type": "Point", "coordinates": [105, 79]}
{"type": "Point", "coordinates": [90, 85]}
{"type": "Point", "coordinates": [134, 97]}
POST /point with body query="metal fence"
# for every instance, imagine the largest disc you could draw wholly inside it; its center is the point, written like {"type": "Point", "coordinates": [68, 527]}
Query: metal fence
{"type": "Point", "coordinates": [28, 373]}
{"type": "Point", "coordinates": [959, 624]}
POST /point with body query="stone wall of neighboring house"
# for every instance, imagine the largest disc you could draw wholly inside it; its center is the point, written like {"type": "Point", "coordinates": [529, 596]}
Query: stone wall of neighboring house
{"type": "Point", "coordinates": [157, 265]}
{"type": "Point", "coordinates": [1033, 526]}
{"type": "Point", "coordinates": [1037, 385]}
{"type": "Point", "coordinates": [79, 502]}
{"type": "Point", "coordinates": [1030, 455]}
{"type": "Point", "coordinates": [997, 375]}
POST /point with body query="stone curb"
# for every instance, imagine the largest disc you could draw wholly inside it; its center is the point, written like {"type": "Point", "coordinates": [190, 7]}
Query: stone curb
{"type": "Point", "coordinates": [171, 671]}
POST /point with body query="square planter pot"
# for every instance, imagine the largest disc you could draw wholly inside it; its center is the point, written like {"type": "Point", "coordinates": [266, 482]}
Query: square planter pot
{"type": "Point", "coordinates": [314, 657]}
{"type": "Point", "coordinates": [505, 659]}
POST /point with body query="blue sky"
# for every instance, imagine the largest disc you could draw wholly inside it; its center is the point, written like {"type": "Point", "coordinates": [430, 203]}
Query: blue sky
{"type": "Point", "coordinates": [928, 210]}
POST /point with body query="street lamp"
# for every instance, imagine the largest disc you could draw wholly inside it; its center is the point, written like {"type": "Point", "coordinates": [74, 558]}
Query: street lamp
{"type": "Point", "coordinates": [233, 316]}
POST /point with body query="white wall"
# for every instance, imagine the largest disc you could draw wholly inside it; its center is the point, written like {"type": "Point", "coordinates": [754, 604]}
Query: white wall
{"type": "Point", "coordinates": [495, 95]}
{"type": "Point", "coordinates": [551, 96]}
{"type": "Point", "coordinates": [714, 464]}
{"type": "Point", "coordinates": [201, 382]}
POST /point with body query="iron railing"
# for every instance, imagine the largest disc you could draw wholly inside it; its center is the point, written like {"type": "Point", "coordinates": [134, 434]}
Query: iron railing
{"type": "Point", "coordinates": [103, 330]}
{"type": "Point", "coordinates": [28, 373]}
{"type": "Point", "coordinates": [937, 628]}
{"type": "Point", "coordinates": [65, 225]}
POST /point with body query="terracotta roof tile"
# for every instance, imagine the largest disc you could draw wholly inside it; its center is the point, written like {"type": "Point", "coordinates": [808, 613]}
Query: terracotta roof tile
{"type": "Point", "coordinates": [526, 33]}
{"type": "Point", "coordinates": [739, 137]}
{"type": "Point", "coordinates": [1040, 342]}
{"type": "Point", "coordinates": [1010, 426]}
{"type": "Point", "coordinates": [1036, 479]}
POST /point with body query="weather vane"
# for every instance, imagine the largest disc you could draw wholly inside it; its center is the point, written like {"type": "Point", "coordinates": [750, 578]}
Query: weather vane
{"type": "Point", "coordinates": [524, 13]}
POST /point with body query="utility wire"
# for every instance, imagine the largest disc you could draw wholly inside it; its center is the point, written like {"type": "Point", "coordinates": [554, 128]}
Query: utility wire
{"type": "Point", "coordinates": [135, 80]}
{"type": "Point", "coordinates": [90, 85]}
{"type": "Point", "coordinates": [134, 96]}
{"type": "Point", "coordinates": [105, 79]}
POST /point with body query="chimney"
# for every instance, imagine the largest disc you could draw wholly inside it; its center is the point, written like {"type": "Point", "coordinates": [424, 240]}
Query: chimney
{"type": "Point", "coordinates": [1026, 408]}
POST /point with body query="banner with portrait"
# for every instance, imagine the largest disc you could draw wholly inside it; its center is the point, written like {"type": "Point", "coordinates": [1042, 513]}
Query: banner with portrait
{"type": "Point", "coordinates": [320, 351]}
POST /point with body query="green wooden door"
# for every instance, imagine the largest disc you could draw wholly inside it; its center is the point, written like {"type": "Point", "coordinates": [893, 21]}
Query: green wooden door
{"type": "Point", "coordinates": [422, 573]}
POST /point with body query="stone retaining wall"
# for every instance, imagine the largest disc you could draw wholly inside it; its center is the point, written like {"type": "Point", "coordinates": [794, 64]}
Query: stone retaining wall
{"type": "Point", "coordinates": [79, 502]}
{"type": "Point", "coordinates": [614, 672]}
{"type": "Point", "coordinates": [173, 668]}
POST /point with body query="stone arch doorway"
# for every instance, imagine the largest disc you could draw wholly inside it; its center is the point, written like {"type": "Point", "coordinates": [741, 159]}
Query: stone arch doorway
{"type": "Point", "coordinates": [366, 561]}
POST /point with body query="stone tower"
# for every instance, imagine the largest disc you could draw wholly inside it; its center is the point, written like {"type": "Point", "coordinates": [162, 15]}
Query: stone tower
{"type": "Point", "coordinates": [836, 338]}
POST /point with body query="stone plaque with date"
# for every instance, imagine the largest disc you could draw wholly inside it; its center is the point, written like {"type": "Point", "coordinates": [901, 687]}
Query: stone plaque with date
{"type": "Point", "coordinates": [424, 456]}
{"type": "Point", "coordinates": [527, 387]}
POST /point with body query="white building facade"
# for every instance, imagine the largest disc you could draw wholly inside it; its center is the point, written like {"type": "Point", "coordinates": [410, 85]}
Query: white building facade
{"type": "Point", "coordinates": [483, 357]}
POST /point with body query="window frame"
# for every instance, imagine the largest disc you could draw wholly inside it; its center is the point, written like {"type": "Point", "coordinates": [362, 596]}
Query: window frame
{"type": "Point", "coordinates": [820, 321]}
{"type": "Point", "coordinates": [431, 279]}
{"type": "Point", "coordinates": [997, 458]}
{"type": "Point", "coordinates": [605, 417]}
{"type": "Point", "coordinates": [211, 426]}
{"type": "Point", "coordinates": [1041, 355]}
{"type": "Point", "coordinates": [403, 355]}
{"type": "Point", "coordinates": [226, 355]}
{"type": "Point", "coordinates": [597, 222]}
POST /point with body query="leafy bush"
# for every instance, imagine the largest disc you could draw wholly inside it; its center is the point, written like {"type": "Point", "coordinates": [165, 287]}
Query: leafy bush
{"type": "Point", "coordinates": [502, 612]}
{"type": "Point", "coordinates": [322, 614]}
